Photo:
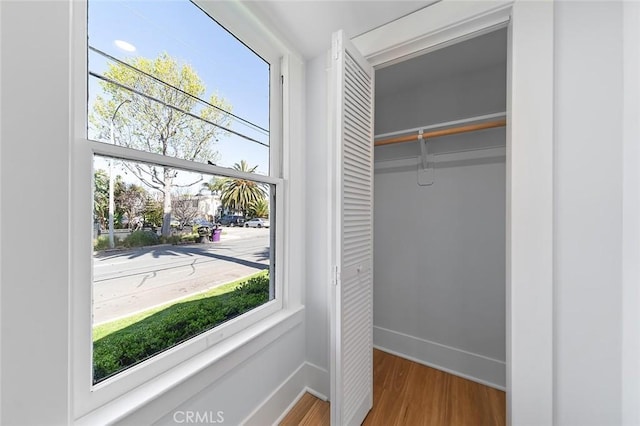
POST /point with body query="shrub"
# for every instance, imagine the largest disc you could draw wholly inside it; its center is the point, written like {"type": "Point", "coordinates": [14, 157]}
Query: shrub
{"type": "Point", "coordinates": [172, 326]}
{"type": "Point", "coordinates": [179, 239]}
{"type": "Point", "coordinates": [171, 239]}
{"type": "Point", "coordinates": [102, 242]}
{"type": "Point", "coordinates": [254, 285]}
{"type": "Point", "coordinates": [141, 238]}
{"type": "Point", "coordinates": [191, 238]}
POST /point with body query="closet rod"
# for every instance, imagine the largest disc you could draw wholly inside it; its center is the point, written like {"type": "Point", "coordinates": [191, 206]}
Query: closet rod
{"type": "Point", "coordinates": [444, 132]}
{"type": "Point", "coordinates": [460, 122]}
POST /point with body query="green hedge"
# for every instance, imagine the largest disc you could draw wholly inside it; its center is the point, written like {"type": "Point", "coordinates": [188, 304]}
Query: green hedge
{"type": "Point", "coordinates": [141, 238]}
{"type": "Point", "coordinates": [169, 327]}
{"type": "Point", "coordinates": [101, 243]}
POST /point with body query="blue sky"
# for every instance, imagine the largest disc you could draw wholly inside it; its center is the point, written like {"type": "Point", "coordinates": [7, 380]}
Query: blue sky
{"type": "Point", "coordinates": [185, 32]}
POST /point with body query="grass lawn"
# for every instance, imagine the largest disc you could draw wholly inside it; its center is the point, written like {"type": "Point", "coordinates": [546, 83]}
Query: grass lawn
{"type": "Point", "coordinates": [120, 344]}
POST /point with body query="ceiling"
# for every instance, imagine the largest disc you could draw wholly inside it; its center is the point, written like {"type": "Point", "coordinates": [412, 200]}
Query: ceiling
{"type": "Point", "coordinates": [308, 24]}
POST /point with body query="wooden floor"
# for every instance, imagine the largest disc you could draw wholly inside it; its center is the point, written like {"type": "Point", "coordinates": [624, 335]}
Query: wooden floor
{"type": "Point", "coordinates": [408, 393]}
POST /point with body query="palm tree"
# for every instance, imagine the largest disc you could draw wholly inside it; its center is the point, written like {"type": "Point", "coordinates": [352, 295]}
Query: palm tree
{"type": "Point", "coordinates": [259, 208]}
{"type": "Point", "coordinates": [215, 184]}
{"type": "Point", "coordinates": [239, 194]}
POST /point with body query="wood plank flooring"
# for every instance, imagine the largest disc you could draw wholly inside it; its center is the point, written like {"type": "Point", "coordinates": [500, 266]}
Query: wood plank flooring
{"type": "Point", "coordinates": [309, 411]}
{"type": "Point", "coordinates": [408, 393]}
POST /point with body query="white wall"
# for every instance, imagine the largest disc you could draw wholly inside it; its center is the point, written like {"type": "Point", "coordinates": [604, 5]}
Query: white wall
{"type": "Point", "coordinates": [35, 154]}
{"type": "Point", "coordinates": [0, 214]}
{"type": "Point", "coordinates": [449, 98]}
{"type": "Point", "coordinates": [588, 213]}
{"type": "Point", "coordinates": [439, 251]}
{"type": "Point", "coordinates": [631, 218]}
{"type": "Point", "coordinates": [35, 299]}
{"type": "Point", "coordinates": [237, 393]}
{"type": "Point", "coordinates": [317, 249]}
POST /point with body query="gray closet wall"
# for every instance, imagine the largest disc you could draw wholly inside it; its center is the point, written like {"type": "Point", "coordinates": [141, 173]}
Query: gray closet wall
{"type": "Point", "coordinates": [439, 250]}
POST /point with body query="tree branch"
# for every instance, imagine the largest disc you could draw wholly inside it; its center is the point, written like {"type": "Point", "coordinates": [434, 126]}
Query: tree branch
{"type": "Point", "coordinates": [138, 172]}
{"type": "Point", "coordinates": [189, 184]}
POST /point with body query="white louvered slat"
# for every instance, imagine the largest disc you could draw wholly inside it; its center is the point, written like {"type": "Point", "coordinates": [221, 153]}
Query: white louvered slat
{"type": "Point", "coordinates": [354, 364]}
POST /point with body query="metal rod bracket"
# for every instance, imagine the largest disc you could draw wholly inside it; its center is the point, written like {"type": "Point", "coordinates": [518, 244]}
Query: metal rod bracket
{"type": "Point", "coordinates": [425, 169]}
{"type": "Point", "coordinates": [424, 153]}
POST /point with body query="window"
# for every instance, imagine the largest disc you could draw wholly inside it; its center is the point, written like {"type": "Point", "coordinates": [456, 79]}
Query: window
{"type": "Point", "coordinates": [168, 79]}
{"type": "Point", "coordinates": [153, 291]}
{"type": "Point", "coordinates": [182, 125]}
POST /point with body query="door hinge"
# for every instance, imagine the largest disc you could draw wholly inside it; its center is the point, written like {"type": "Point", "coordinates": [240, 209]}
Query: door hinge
{"type": "Point", "coordinates": [336, 275]}
{"type": "Point", "coordinates": [336, 49]}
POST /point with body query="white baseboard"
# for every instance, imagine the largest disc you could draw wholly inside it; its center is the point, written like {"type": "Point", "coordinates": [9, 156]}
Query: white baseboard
{"type": "Point", "coordinates": [307, 378]}
{"type": "Point", "coordinates": [478, 368]}
{"type": "Point", "coordinates": [318, 381]}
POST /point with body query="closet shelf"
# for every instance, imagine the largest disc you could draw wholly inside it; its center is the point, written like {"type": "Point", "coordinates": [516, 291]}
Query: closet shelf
{"type": "Point", "coordinates": [443, 132]}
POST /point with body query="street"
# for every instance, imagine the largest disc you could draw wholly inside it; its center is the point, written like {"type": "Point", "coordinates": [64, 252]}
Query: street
{"type": "Point", "coordinates": [128, 281]}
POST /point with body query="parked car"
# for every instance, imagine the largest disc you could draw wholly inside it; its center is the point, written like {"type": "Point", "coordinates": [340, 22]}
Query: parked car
{"type": "Point", "coordinates": [202, 223]}
{"type": "Point", "coordinates": [257, 222]}
{"type": "Point", "coordinates": [231, 220]}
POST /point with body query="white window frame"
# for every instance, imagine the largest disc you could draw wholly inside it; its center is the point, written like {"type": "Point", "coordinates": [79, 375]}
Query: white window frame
{"type": "Point", "coordinates": [142, 383]}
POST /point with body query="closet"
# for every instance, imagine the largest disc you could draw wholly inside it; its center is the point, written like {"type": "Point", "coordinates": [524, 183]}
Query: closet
{"type": "Point", "coordinates": [439, 208]}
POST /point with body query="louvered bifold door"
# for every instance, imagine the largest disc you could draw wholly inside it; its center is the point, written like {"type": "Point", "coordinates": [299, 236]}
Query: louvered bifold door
{"type": "Point", "coordinates": [352, 316]}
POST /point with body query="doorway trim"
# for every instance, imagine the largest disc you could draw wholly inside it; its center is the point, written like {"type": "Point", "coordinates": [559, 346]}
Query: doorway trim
{"type": "Point", "coordinates": [529, 215]}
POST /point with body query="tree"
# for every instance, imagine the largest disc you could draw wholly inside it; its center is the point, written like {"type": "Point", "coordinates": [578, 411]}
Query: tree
{"type": "Point", "coordinates": [100, 196]}
{"type": "Point", "coordinates": [153, 212]}
{"type": "Point", "coordinates": [130, 201]}
{"type": "Point", "coordinates": [259, 208]}
{"type": "Point", "coordinates": [215, 184]}
{"type": "Point", "coordinates": [174, 124]}
{"type": "Point", "coordinates": [238, 194]}
{"type": "Point", "coordinates": [185, 208]}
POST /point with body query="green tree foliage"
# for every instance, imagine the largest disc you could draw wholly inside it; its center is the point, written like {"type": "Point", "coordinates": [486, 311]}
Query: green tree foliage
{"type": "Point", "coordinates": [129, 199]}
{"type": "Point", "coordinates": [153, 212]}
{"type": "Point", "coordinates": [259, 208]}
{"type": "Point", "coordinates": [239, 194]}
{"type": "Point", "coordinates": [150, 125]}
{"type": "Point", "coordinates": [101, 197]}
{"type": "Point", "coordinates": [215, 184]}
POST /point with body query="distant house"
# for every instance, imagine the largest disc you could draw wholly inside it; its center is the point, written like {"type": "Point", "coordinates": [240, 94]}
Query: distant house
{"type": "Point", "coordinates": [208, 204]}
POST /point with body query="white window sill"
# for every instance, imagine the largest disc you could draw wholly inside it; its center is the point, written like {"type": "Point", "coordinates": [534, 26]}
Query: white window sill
{"type": "Point", "coordinates": [219, 359]}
